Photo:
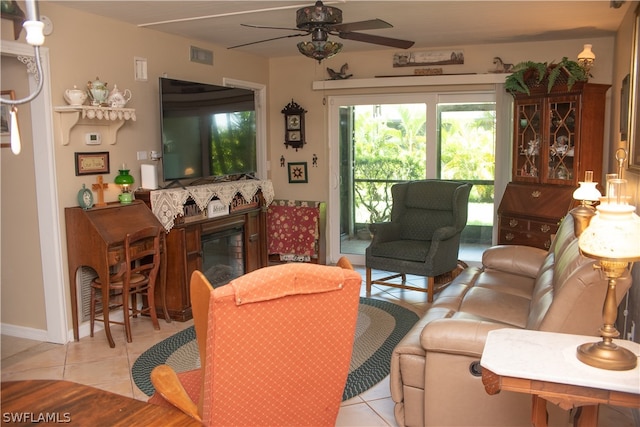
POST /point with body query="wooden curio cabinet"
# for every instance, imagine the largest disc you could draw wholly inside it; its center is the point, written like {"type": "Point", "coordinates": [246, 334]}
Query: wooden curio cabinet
{"type": "Point", "coordinates": [557, 137]}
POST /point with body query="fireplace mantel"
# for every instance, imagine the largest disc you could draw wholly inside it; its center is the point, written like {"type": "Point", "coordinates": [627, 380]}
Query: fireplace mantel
{"type": "Point", "coordinates": [167, 204]}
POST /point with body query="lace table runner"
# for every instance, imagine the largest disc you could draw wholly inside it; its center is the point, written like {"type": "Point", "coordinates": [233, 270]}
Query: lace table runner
{"type": "Point", "coordinates": [167, 204]}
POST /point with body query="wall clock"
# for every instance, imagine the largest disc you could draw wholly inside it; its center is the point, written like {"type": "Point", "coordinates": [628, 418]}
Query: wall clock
{"type": "Point", "coordinates": [85, 198]}
{"type": "Point", "coordinates": [294, 125]}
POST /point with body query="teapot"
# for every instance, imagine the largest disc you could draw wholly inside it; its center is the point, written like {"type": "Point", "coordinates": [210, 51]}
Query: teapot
{"type": "Point", "coordinates": [98, 92]}
{"type": "Point", "coordinates": [118, 99]}
{"type": "Point", "coordinates": [75, 96]}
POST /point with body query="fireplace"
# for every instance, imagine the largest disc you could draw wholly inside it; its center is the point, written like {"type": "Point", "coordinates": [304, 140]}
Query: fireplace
{"type": "Point", "coordinates": [223, 255]}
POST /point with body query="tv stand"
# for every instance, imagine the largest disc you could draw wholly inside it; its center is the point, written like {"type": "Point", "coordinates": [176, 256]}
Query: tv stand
{"type": "Point", "coordinates": [185, 237]}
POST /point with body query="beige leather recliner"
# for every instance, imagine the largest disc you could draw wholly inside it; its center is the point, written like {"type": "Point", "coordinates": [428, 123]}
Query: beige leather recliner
{"type": "Point", "coordinates": [435, 377]}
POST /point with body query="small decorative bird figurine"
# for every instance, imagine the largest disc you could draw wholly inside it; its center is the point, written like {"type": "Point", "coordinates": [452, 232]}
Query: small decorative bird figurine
{"type": "Point", "coordinates": [339, 75]}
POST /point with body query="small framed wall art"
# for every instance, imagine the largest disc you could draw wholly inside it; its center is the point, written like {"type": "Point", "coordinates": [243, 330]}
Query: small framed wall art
{"type": "Point", "coordinates": [92, 163]}
{"type": "Point", "coordinates": [298, 173]}
{"type": "Point", "coordinates": [5, 118]}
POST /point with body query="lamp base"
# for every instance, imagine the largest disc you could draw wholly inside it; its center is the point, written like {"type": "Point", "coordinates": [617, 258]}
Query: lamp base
{"type": "Point", "coordinates": [607, 356]}
{"type": "Point", "coordinates": [581, 217]}
{"type": "Point", "coordinates": [125, 198]}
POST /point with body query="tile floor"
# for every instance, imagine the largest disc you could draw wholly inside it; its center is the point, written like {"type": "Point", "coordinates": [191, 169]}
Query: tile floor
{"type": "Point", "coordinates": [90, 361]}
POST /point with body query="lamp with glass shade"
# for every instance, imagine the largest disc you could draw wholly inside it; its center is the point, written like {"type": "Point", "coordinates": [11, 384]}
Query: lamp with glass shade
{"type": "Point", "coordinates": [612, 238]}
{"type": "Point", "coordinates": [587, 194]}
{"type": "Point", "coordinates": [587, 58]}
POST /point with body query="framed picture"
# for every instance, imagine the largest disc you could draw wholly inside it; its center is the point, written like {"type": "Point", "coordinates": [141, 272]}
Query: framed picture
{"type": "Point", "coordinates": [92, 163]}
{"type": "Point", "coordinates": [5, 118]}
{"type": "Point", "coordinates": [633, 134]}
{"type": "Point", "coordinates": [298, 173]}
{"type": "Point", "coordinates": [433, 57]}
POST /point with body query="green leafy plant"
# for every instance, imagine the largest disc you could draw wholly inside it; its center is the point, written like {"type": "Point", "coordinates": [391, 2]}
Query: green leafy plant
{"type": "Point", "coordinates": [524, 72]}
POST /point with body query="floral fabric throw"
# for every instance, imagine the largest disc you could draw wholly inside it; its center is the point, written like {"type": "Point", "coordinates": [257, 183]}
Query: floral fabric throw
{"type": "Point", "coordinates": [292, 229]}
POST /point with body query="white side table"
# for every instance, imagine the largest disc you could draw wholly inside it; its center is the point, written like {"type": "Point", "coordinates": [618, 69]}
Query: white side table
{"type": "Point", "coordinates": [544, 364]}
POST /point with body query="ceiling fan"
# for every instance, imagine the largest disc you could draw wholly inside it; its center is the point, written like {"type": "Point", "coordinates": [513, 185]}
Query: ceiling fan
{"type": "Point", "coordinates": [321, 21]}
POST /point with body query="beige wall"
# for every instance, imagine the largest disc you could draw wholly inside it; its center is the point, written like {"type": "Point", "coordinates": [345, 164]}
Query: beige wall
{"type": "Point", "coordinates": [84, 46]}
{"type": "Point", "coordinates": [292, 77]}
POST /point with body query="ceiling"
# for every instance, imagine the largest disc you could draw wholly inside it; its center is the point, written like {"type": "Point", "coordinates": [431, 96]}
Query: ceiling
{"type": "Point", "coordinates": [431, 24]}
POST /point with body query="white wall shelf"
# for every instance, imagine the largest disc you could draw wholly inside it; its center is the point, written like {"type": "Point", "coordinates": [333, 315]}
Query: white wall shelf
{"type": "Point", "coordinates": [442, 79]}
{"type": "Point", "coordinates": [112, 118]}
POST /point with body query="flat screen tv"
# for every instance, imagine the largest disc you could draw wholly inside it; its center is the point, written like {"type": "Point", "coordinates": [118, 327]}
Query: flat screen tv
{"type": "Point", "coordinates": [207, 130]}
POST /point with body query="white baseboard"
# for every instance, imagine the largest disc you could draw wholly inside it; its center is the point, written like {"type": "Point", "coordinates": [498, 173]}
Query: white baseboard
{"type": "Point", "coordinates": [41, 334]}
{"type": "Point", "coordinates": [24, 332]}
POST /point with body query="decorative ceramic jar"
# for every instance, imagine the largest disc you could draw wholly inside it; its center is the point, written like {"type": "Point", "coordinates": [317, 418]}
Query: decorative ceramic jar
{"type": "Point", "coordinates": [118, 99]}
{"type": "Point", "coordinates": [98, 92]}
{"type": "Point", "coordinates": [75, 96]}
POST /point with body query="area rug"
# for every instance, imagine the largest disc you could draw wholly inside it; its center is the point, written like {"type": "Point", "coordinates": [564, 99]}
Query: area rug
{"type": "Point", "coordinates": [380, 326]}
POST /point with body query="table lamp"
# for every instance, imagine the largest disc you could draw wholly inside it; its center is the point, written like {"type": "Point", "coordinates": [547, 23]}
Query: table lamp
{"type": "Point", "coordinates": [124, 180]}
{"type": "Point", "coordinates": [587, 58]}
{"type": "Point", "coordinates": [612, 238]}
{"type": "Point", "coordinates": [587, 194]}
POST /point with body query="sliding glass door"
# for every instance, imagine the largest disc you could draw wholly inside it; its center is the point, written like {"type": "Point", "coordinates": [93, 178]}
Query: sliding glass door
{"type": "Point", "coordinates": [378, 141]}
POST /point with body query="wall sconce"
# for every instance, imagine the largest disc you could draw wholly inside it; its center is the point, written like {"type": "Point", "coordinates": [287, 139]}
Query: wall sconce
{"type": "Point", "coordinates": [587, 58]}
{"type": "Point", "coordinates": [587, 194]}
{"type": "Point", "coordinates": [124, 180]}
{"type": "Point", "coordinates": [35, 37]}
{"type": "Point", "coordinates": [611, 238]}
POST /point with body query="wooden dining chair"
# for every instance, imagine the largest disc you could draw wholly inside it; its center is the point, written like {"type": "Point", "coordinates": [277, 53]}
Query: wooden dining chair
{"type": "Point", "coordinates": [136, 275]}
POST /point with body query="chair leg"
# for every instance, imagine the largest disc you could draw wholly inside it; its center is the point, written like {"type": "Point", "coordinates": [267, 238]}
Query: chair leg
{"type": "Point", "coordinates": [368, 281]}
{"type": "Point", "coordinates": [125, 312]}
{"type": "Point", "coordinates": [151, 302]}
{"type": "Point", "coordinates": [134, 304]}
{"type": "Point", "coordinates": [92, 310]}
{"type": "Point", "coordinates": [430, 285]}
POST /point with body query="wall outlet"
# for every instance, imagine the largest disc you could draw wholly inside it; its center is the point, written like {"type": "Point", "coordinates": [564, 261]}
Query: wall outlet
{"type": "Point", "coordinates": [631, 335]}
{"type": "Point", "coordinates": [142, 155]}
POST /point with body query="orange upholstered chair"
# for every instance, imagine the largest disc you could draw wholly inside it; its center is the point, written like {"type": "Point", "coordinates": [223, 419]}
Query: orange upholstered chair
{"type": "Point", "coordinates": [275, 348]}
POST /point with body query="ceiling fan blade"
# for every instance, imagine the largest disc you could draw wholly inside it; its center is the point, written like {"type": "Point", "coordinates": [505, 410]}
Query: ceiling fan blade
{"type": "Point", "coordinates": [372, 24]}
{"type": "Point", "coordinates": [370, 38]}
{"type": "Point", "coordinates": [270, 28]}
{"type": "Point", "coordinates": [268, 40]}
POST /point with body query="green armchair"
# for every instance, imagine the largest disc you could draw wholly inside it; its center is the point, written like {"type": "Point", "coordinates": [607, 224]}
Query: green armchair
{"type": "Point", "coordinates": [423, 236]}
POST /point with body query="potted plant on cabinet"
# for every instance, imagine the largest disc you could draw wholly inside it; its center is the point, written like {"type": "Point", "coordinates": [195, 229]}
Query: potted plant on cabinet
{"type": "Point", "coordinates": [529, 74]}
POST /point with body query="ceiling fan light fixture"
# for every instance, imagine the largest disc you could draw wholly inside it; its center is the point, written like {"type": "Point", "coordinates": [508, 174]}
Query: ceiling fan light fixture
{"type": "Point", "coordinates": [319, 50]}
{"type": "Point", "coordinates": [318, 14]}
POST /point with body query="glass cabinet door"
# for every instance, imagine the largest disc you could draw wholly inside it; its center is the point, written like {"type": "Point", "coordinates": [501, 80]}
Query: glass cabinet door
{"type": "Point", "coordinates": [562, 140]}
{"type": "Point", "coordinates": [527, 162]}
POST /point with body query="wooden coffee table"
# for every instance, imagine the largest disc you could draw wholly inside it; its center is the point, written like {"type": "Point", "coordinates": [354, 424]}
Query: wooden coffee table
{"type": "Point", "coordinates": [56, 401]}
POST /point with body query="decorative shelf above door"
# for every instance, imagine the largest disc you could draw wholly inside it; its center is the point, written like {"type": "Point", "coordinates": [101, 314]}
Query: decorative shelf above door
{"type": "Point", "coordinates": [113, 118]}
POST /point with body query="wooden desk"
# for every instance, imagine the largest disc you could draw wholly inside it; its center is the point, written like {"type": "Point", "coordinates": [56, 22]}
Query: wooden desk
{"type": "Point", "coordinates": [95, 238]}
{"type": "Point", "coordinates": [544, 364]}
{"type": "Point", "coordinates": [26, 402]}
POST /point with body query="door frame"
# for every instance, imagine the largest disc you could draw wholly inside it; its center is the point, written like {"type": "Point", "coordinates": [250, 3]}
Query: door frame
{"type": "Point", "coordinates": [49, 224]}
